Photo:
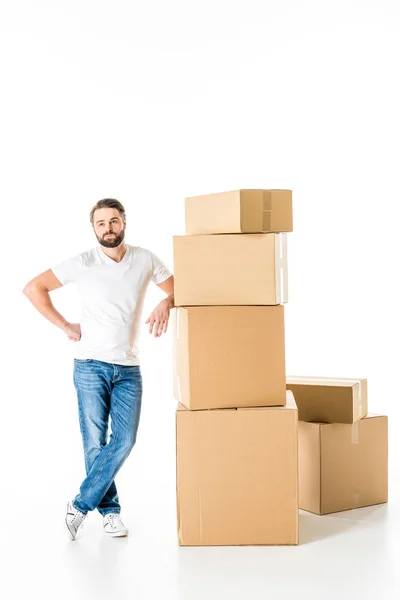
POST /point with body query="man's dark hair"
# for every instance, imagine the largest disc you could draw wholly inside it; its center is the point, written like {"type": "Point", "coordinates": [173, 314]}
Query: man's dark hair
{"type": "Point", "coordinates": [108, 203]}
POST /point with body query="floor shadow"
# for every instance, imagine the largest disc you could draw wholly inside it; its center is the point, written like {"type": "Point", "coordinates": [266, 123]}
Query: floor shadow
{"type": "Point", "coordinates": [314, 527]}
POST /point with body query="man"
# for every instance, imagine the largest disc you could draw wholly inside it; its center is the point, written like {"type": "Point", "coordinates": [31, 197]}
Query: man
{"type": "Point", "coordinates": [111, 280]}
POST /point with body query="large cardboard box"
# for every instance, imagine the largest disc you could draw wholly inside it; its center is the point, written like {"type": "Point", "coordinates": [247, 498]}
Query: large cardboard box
{"type": "Point", "coordinates": [343, 466]}
{"type": "Point", "coordinates": [229, 356]}
{"type": "Point", "coordinates": [238, 269]}
{"type": "Point", "coordinates": [237, 475]}
{"type": "Point", "coordinates": [330, 400]}
{"type": "Point", "coordinates": [239, 211]}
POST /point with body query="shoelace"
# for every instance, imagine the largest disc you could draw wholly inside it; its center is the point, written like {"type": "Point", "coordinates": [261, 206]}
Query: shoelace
{"type": "Point", "coordinates": [112, 517]}
{"type": "Point", "coordinates": [82, 521]}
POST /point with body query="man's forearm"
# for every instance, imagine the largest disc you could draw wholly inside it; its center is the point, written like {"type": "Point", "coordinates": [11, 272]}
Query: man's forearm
{"type": "Point", "coordinates": [40, 299]}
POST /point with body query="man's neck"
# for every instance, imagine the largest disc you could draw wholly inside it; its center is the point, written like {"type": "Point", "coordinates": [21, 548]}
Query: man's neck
{"type": "Point", "coordinates": [116, 253]}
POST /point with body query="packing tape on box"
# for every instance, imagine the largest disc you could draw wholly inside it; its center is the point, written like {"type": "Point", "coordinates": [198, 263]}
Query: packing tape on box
{"type": "Point", "coordinates": [177, 323]}
{"type": "Point", "coordinates": [177, 358]}
{"type": "Point", "coordinates": [281, 268]}
{"type": "Point", "coordinates": [267, 220]}
{"type": "Point", "coordinates": [178, 380]}
{"type": "Point", "coordinates": [358, 393]}
{"type": "Point", "coordinates": [354, 433]}
{"type": "Point", "coordinates": [284, 271]}
{"type": "Point", "coordinates": [267, 201]}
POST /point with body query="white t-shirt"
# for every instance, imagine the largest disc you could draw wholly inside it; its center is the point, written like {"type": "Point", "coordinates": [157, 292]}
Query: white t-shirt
{"type": "Point", "coordinates": [112, 296]}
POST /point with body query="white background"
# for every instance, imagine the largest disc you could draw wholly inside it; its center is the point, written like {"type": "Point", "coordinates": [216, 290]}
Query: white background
{"type": "Point", "coordinates": [150, 102]}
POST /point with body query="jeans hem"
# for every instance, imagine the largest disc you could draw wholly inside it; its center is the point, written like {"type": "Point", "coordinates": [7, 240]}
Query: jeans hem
{"type": "Point", "coordinates": [76, 508]}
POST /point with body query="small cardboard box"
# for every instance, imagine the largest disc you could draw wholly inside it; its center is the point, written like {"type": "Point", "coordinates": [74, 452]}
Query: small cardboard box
{"type": "Point", "coordinates": [330, 400]}
{"type": "Point", "coordinates": [215, 270]}
{"type": "Point", "coordinates": [239, 211]}
{"type": "Point", "coordinates": [237, 476]}
{"type": "Point", "coordinates": [343, 466]}
{"type": "Point", "coordinates": [229, 356]}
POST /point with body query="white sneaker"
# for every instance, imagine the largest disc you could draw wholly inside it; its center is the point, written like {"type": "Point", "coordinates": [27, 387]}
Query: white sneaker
{"type": "Point", "coordinates": [73, 520]}
{"type": "Point", "coordinates": [113, 525]}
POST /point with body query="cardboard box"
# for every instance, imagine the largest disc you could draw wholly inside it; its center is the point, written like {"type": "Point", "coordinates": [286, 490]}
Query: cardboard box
{"type": "Point", "coordinates": [240, 211]}
{"type": "Point", "coordinates": [229, 356]}
{"type": "Point", "coordinates": [330, 400]}
{"type": "Point", "coordinates": [343, 466]}
{"type": "Point", "coordinates": [237, 476]}
{"type": "Point", "coordinates": [217, 270]}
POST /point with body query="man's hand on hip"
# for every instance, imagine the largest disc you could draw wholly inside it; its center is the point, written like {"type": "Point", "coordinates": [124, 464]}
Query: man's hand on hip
{"type": "Point", "coordinates": [73, 331]}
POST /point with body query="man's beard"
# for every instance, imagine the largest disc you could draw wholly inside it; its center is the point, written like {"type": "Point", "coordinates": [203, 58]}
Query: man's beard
{"type": "Point", "coordinates": [113, 241]}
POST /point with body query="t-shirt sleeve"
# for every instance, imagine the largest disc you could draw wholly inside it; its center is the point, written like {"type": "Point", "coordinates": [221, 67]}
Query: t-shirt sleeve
{"type": "Point", "coordinates": [159, 271]}
{"type": "Point", "coordinates": [67, 271]}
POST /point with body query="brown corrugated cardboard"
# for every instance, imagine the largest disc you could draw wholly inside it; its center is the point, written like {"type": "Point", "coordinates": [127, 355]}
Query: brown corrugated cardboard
{"type": "Point", "coordinates": [237, 476]}
{"type": "Point", "coordinates": [239, 211]}
{"type": "Point", "coordinates": [238, 269]}
{"type": "Point", "coordinates": [229, 356]}
{"type": "Point", "coordinates": [343, 466]}
{"type": "Point", "coordinates": [330, 400]}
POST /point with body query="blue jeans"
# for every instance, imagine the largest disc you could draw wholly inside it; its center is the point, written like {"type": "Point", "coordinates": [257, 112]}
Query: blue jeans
{"type": "Point", "coordinates": [103, 390]}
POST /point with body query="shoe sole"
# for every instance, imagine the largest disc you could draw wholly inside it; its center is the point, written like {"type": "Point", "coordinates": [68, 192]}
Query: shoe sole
{"type": "Point", "coordinates": [68, 531]}
{"type": "Point", "coordinates": [117, 533]}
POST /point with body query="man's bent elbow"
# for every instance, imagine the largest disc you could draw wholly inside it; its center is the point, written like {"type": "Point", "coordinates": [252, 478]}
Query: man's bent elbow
{"type": "Point", "coordinates": [30, 288]}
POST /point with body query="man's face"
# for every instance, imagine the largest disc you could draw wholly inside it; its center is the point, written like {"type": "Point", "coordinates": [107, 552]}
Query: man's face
{"type": "Point", "coordinates": [109, 227]}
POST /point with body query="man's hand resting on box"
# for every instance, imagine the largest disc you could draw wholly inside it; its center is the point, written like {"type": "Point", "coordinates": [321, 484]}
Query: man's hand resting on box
{"type": "Point", "coordinates": [158, 320]}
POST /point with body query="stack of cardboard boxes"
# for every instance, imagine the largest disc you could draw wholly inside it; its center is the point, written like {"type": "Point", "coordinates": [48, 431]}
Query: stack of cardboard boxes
{"type": "Point", "coordinates": [252, 445]}
{"type": "Point", "coordinates": [236, 424]}
{"type": "Point", "coordinates": [343, 449]}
